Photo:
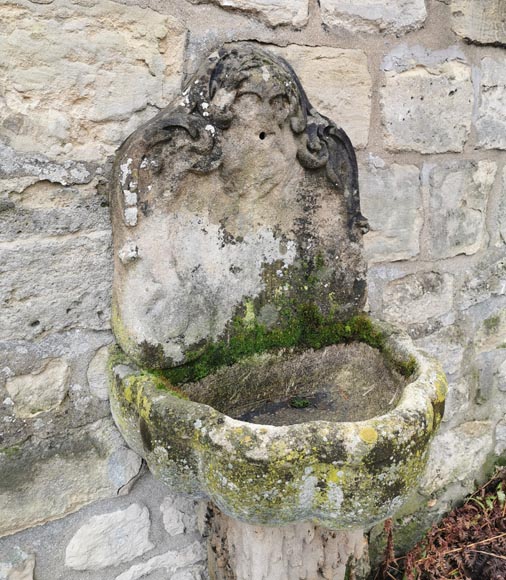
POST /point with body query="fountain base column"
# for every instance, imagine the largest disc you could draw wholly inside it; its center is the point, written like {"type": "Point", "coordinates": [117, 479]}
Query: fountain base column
{"type": "Point", "coordinates": [239, 551]}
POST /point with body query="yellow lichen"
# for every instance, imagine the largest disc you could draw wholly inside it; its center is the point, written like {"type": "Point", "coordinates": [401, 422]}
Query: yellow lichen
{"type": "Point", "coordinates": [368, 435]}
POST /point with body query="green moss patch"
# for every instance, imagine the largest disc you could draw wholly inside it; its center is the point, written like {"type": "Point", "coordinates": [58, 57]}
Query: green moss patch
{"type": "Point", "coordinates": [309, 329]}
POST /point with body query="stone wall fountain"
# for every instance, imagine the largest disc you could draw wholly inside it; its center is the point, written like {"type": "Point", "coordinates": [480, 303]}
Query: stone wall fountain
{"type": "Point", "coordinates": [246, 371]}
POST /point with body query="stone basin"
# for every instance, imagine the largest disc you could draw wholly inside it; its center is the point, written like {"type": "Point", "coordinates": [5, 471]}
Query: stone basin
{"type": "Point", "coordinates": [337, 436]}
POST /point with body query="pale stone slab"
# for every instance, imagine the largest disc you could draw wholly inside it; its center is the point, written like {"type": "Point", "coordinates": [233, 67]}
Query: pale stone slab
{"type": "Point", "coordinates": [466, 445]}
{"type": "Point", "coordinates": [98, 381]}
{"type": "Point", "coordinates": [110, 539]}
{"type": "Point", "coordinates": [42, 391]}
{"type": "Point", "coordinates": [501, 221]}
{"type": "Point", "coordinates": [390, 199]}
{"type": "Point", "coordinates": [447, 344]}
{"type": "Point", "coordinates": [274, 12]}
{"type": "Point", "coordinates": [53, 284]}
{"type": "Point", "coordinates": [416, 298]}
{"type": "Point", "coordinates": [170, 561]}
{"type": "Point", "coordinates": [81, 464]}
{"type": "Point", "coordinates": [483, 281]}
{"type": "Point", "coordinates": [458, 195]}
{"type": "Point", "coordinates": [179, 515]}
{"type": "Point", "coordinates": [396, 16]}
{"type": "Point", "coordinates": [20, 566]}
{"type": "Point", "coordinates": [500, 436]}
{"type": "Point", "coordinates": [426, 104]}
{"type": "Point", "coordinates": [18, 170]}
{"type": "Point", "coordinates": [338, 84]}
{"type": "Point", "coordinates": [481, 21]}
{"type": "Point", "coordinates": [491, 121]}
{"type": "Point", "coordinates": [80, 87]}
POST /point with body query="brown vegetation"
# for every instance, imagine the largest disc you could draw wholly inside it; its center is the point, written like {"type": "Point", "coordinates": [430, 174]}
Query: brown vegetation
{"type": "Point", "coordinates": [468, 544]}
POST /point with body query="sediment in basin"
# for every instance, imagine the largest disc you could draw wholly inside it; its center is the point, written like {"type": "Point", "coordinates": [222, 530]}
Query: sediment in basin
{"type": "Point", "coordinates": [346, 382]}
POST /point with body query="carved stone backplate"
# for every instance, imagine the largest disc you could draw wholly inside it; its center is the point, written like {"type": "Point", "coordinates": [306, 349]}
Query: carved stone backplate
{"type": "Point", "coordinates": [236, 206]}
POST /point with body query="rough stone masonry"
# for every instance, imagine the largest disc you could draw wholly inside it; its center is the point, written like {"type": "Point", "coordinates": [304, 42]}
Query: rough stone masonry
{"type": "Point", "coordinates": [419, 86]}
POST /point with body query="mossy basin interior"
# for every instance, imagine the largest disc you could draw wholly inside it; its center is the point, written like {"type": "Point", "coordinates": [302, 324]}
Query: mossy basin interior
{"type": "Point", "coordinates": [336, 435]}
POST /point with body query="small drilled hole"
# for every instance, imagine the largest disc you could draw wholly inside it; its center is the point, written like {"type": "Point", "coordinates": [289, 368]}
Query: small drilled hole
{"type": "Point", "coordinates": [261, 136]}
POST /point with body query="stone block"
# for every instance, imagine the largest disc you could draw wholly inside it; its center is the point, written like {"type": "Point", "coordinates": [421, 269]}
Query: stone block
{"type": "Point", "coordinates": [427, 102]}
{"type": "Point", "coordinates": [500, 438]}
{"type": "Point", "coordinates": [491, 332]}
{"type": "Point", "coordinates": [395, 17]}
{"type": "Point", "coordinates": [273, 12]}
{"type": "Point", "coordinates": [447, 345]}
{"type": "Point", "coordinates": [110, 539]}
{"type": "Point", "coordinates": [98, 381]}
{"type": "Point", "coordinates": [338, 84]}
{"type": "Point", "coordinates": [480, 21]}
{"type": "Point", "coordinates": [458, 194]}
{"type": "Point", "coordinates": [390, 198]}
{"type": "Point", "coordinates": [501, 218]}
{"type": "Point", "coordinates": [483, 282]}
{"type": "Point", "coordinates": [416, 298]}
{"type": "Point", "coordinates": [53, 284]}
{"type": "Point", "coordinates": [171, 561]}
{"type": "Point", "coordinates": [46, 479]}
{"type": "Point", "coordinates": [43, 391]}
{"type": "Point", "coordinates": [46, 209]}
{"type": "Point", "coordinates": [18, 170]}
{"type": "Point", "coordinates": [18, 566]}
{"type": "Point", "coordinates": [491, 120]}
{"type": "Point", "coordinates": [95, 66]}
{"type": "Point", "coordinates": [457, 455]}
{"type": "Point", "coordinates": [179, 515]}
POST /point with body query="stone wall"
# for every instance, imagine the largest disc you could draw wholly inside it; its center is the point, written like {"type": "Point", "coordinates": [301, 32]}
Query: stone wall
{"type": "Point", "coordinates": [420, 87]}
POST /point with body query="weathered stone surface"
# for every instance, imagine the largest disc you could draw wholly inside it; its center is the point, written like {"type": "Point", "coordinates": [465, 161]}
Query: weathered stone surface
{"type": "Point", "coordinates": [451, 341]}
{"type": "Point", "coordinates": [500, 437]}
{"type": "Point", "coordinates": [98, 381]}
{"type": "Point", "coordinates": [491, 121]}
{"type": "Point", "coordinates": [338, 84]}
{"type": "Point", "coordinates": [481, 21]}
{"type": "Point", "coordinates": [489, 384]}
{"type": "Point", "coordinates": [427, 101]}
{"type": "Point", "coordinates": [458, 196]}
{"type": "Point", "coordinates": [20, 566]}
{"type": "Point", "coordinates": [501, 218]}
{"type": "Point", "coordinates": [77, 409]}
{"type": "Point", "coordinates": [170, 561]}
{"type": "Point", "coordinates": [390, 198]}
{"type": "Point", "coordinates": [467, 446]}
{"type": "Point", "coordinates": [110, 539]}
{"type": "Point", "coordinates": [41, 391]}
{"type": "Point", "coordinates": [68, 96]}
{"type": "Point", "coordinates": [52, 284]}
{"type": "Point", "coordinates": [416, 298]}
{"type": "Point", "coordinates": [251, 190]}
{"type": "Point", "coordinates": [243, 466]}
{"type": "Point", "coordinates": [397, 16]}
{"type": "Point", "coordinates": [78, 464]}
{"type": "Point", "coordinates": [274, 12]}
{"type": "Point", "coordinates": [179, 515]}
{"type": "Point", "coordinates": [18, 170]}
{"type": "Point", "coordinates": [308, 551]}
{"type": "Point", "coordinates": [483, 282]}
{"type": "Point", "coordinates": [46, 209]}
{"type": "Point", "coordinates": [491, 333]}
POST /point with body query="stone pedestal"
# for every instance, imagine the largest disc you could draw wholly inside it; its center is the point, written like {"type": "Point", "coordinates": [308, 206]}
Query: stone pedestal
{"type": "Point", "coordinates": [239, 551]}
